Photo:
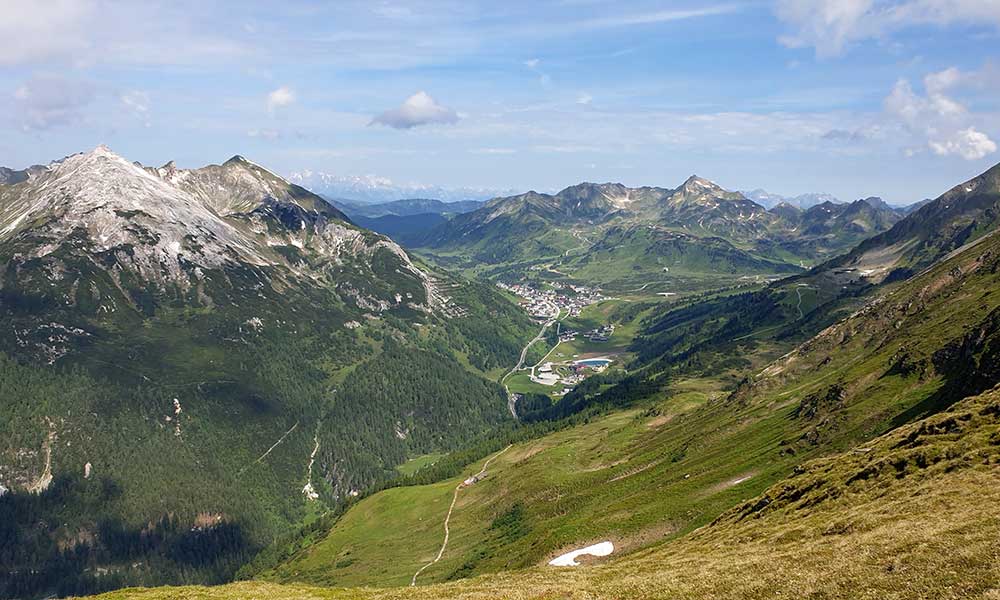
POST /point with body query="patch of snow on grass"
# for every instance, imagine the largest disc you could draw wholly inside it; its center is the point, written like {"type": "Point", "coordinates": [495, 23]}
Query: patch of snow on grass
{"type": "Point", "coordinates": [569, 559]}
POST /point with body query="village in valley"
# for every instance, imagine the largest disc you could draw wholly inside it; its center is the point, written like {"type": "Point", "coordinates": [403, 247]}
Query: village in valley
{"type": "Point", "coordinates": [578, 353]}
{"type": "Point", "coordinates": [550, 302]}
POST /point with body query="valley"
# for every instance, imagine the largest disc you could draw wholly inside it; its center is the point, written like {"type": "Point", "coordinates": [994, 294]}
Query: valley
{"type": "Point", "coordinates": [627, 414]}
{"type": "Point", "coordinates": [563, 300]}
{"type": "Point", "coordinates": [767, 410]}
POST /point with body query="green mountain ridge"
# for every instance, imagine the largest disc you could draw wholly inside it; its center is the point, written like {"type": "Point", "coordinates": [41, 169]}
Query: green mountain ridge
{"type": "Point", "coordinates": [516, 234]}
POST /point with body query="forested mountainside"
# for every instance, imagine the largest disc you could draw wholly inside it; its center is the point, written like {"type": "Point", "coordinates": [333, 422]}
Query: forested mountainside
{"type": "Point", "coordinates": [194, 360]}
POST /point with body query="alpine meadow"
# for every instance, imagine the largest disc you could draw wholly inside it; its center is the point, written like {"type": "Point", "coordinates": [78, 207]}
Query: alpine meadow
{"type": "Point", "coordinates": [455, 320]}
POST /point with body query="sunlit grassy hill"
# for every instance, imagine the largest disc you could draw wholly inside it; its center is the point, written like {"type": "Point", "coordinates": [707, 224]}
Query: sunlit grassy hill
{"type": "Point", "coordinates": [674, 463]}
{"type": "Point", "coordinates": [913, 513]}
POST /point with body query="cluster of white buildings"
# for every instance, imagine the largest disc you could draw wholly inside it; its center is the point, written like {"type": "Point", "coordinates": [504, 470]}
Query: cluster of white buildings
{"type": "Point", "coordinates": [548, 303]}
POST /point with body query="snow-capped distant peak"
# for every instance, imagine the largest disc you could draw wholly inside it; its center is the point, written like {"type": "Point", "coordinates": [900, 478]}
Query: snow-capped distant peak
{"type": "Point", "coordinates": [377, 189]}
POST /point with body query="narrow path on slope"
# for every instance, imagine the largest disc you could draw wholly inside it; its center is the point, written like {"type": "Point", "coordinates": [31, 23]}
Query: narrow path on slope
{"type": "Point", "coordinates": [275, 445]}
{"type": "Point", "coordinates": [580, 237]}
{"type": "Point", "coordinates": [447, 518]}
{"type": "Point", "coordinates": [798, 292]}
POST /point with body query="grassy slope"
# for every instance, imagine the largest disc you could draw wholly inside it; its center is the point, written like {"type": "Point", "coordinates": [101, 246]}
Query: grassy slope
{"type": "Point", "coordinates": [622, 478]}
{"type": "Point", "coordinates": [913, 513]}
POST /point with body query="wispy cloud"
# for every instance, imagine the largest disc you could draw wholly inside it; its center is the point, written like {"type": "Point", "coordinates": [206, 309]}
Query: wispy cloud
{"type": "Point", "coordinates": [88, 32]}
{"type": "Point", "coordinates": [534, 64]}
{"type": "Point", "coordinates": [830, 26]}
{"type": "Point", "coordinates": [49, 101]}
{"type": "Point", "coordinates": [649, 18]}
{"type": "Point", "coordinates": [493, 151]}
{"type": "Point", "coordinates": [138, 103]}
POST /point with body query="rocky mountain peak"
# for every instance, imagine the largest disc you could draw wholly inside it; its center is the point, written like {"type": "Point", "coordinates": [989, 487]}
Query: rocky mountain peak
{"type": "Point", "coordinates": [700, 185]}
{"type": "Point", "coordinates": [167, 227]}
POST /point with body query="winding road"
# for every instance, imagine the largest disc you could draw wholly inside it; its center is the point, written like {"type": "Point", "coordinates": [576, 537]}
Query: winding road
{"type": "Point", "coordinates": [798, 292]}
{"type": "Point", "coordinates": [520, 362]}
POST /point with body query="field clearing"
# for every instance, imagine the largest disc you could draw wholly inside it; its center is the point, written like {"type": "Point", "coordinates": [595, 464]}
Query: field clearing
{"type": "Point", "coordinates": [419, 462]}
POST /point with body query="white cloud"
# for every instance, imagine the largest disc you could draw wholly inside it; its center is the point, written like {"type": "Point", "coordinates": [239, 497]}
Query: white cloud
{"type": "Point", "coordinates": [543, 78]}
{"type": "Point", "coordinates": [830, 26]}
{"type": "Point", "coordinates": [936, 119]}
{"type": "Point", "coordinates": [967, 143]}
{"type": "Point", "coordinates": [49, 101]}
{"type": "Point", "coordinates": [136, 101]}
{"type": "Point", "coordinates": [584, 98]}
{"type": "Point", "coordinates": [663, 16]}
{"type": "Point", "coordinates": [280, 98]}
{"type": "Point", "coordinates": [31, 32]}
{"type": "Point", "coordinates": [418, 109]}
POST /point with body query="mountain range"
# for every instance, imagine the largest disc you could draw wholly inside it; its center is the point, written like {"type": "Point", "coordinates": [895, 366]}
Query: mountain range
{"type": "Point", "coordinates": [405, 221]}
{"type": "Point", "coordinates": [594, 231]}
{"type": "Point", "coordinates": [803, 201]}
{"type": "Point", "coordinates": [215, 374]}
{"type": "Point", "coordinates": [371, 189]}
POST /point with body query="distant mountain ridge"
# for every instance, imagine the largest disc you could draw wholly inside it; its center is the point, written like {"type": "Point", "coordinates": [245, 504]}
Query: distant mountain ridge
{"type": "Point", "coordinates": [406, 207]}
{"type": "Point", "coordinates": [676, 230]}
{"type": "Point", "coordinates": [372, 189]}
{"type": "Point", "coordinates": [960, 216]}
{"type": "Point", "coordinates": [770, 200]}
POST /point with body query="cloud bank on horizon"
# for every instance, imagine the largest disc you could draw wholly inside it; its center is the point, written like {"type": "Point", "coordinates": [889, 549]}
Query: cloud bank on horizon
{"type": "Point", "coordinates": [856, 97]}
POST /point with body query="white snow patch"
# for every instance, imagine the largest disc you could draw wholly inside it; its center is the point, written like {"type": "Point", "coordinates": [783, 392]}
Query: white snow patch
{"type": "Point", "coordinates": [569, 559]}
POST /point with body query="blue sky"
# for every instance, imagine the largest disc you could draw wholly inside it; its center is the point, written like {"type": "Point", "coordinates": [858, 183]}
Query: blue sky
{"type": "Point", "coordinates": [898, 98]}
